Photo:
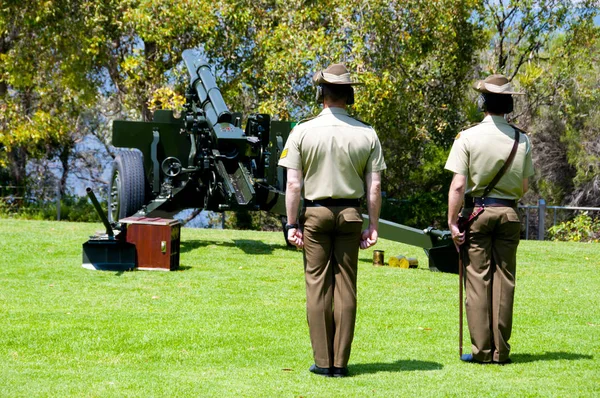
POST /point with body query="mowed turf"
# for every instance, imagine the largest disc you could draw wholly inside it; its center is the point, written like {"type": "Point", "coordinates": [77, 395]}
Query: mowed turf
{"type": "Point", "coordinates": [232, 322]}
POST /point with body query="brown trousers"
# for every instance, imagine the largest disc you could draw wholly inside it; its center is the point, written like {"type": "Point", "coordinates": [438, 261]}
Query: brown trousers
{"type": "Point", "coordinates": [331, 242]}
{"type": "Point", "coordinates": [490, 281]}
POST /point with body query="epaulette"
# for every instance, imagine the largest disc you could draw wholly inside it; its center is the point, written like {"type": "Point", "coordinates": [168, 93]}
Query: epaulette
{"type": "Point", "coordinates": [306, 120]}
{"type": "Point", "coordinates": [470, 126]}
{"type": "Point", "coordinates": [464, 129]}
{"type": "Point", "coordinates": [360, 120]}
{"type": "Point", "coordinates": [518, 128]}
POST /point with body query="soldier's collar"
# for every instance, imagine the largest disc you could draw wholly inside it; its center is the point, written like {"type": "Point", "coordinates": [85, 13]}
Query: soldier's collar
{"type": "Point", "coordinates": [333, 111]}
{"type": "Point", "coordinates": [495, 119]}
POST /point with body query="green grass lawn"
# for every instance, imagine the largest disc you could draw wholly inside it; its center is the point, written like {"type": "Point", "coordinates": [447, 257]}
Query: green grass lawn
{"type": "Point", "coordinates": [232, 322]}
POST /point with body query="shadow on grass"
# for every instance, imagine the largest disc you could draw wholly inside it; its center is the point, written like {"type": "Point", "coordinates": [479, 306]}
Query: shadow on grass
{"type": "Point", "coordinates": [403, 365]}
{"type": "Point", "coordinates": [370, 261]}
{"type": "Point", "coordinates": [365, 260]}
{"type": "Point", "coordinates": [247, 245]}
{"type": "Point", "coordinates": [549, 356]}
{"type": "Point", "coordinates": [119, 273]}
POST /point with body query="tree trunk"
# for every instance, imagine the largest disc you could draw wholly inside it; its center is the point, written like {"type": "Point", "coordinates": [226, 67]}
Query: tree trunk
{"type": "Point", "coordinates": [17, 160]}
{"type": "Point", "coordinates": [151, 54]}
{"type": "Point", "coordinates": [64, 156]}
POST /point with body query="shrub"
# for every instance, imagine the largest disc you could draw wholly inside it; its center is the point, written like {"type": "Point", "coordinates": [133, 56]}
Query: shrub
{"type": "Point", "coordinates": [418, 211]}
{"type": "Point", "coordinates": [582, 228]}
{"type": "Point", "coordinates": [254, 220]}
{"type": "Point", "coordinates": [72, 208]}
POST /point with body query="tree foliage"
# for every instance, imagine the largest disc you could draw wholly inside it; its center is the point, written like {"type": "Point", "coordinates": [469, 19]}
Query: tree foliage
{"type": "Point", "coordinates": [550, 50]}
{"type": "Point", "coordinates": [68, 68]}
{"type": "Point", "coordinates": [413, 58]}
{"type": "Point", "coordinates": [563, 93]}
{"type": "Point", "coordinates": [45, 81]}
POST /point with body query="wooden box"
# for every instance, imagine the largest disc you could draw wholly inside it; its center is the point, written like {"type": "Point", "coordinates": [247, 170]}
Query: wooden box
{"type": "Point", "coordinates": [156, 242]}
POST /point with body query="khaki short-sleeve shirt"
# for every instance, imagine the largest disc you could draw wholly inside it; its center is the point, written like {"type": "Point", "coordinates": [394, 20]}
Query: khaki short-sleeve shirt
{"type": "Point", "coordinates": [334, 151]}
{"type": "Point", "coordinates": [479, 152]}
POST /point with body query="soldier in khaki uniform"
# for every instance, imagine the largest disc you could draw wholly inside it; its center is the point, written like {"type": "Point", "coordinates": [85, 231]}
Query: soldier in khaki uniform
{"type": "Point", "coordinates": [331, 160]}
{"type": "Point", "coordinates": [491, 241]}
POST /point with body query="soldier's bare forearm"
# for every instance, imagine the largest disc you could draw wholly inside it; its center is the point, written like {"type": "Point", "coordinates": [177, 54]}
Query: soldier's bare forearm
{"type": "Point", "coordinates": [373, 198]}
{"type": "Point", "coordinates": [293, 194]}
{"type": "Point", "coordinates": [455, 198]}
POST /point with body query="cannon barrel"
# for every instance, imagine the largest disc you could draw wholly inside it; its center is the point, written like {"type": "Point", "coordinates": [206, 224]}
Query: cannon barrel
{"type": "Point", "coordinates": [203, 82]}
{"type": "Point", "coordinates": [98, 208]}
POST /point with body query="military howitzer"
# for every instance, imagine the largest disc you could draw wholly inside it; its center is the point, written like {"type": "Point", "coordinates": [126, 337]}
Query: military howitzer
{"type": "Point", "coordinates": [204, 159]}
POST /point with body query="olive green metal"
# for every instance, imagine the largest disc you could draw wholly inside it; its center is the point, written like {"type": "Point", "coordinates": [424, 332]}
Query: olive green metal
{"type": "Point", "coordinates": [92, 196]}
{"type": "Point", "coordinates": [205, 86]}
{"type": "Point", "coordinates": [140, 135]}
{"type": "Point", "coordinates": [437, 244]}
{"type": "Point", "coordinates": [401, 233]}
{"type": "Point", "coordinates": [105, 252]}
{"type": "Point", "coordinates": [204, 159]}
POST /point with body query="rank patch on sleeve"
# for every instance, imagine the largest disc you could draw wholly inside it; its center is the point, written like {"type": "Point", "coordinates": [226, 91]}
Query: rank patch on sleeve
{"type": "Point", "coordinates": [283, 153]}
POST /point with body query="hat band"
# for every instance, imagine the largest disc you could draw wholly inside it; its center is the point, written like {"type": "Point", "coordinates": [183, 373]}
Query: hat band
{"type": "Point", "coordinates": [331, 78]}
{"type": "Point", "coordinates": [497, 89]}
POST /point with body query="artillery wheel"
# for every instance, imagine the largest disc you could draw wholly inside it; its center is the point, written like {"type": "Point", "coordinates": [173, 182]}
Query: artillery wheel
{"type": "Point", "coordinates": [127, 185]}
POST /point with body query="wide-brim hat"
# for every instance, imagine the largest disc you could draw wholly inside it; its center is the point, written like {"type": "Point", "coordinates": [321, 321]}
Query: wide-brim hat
{"type": "Point", "coordinates": [495, 84]}
{"type": "Point", "coordinates": [334, 74]}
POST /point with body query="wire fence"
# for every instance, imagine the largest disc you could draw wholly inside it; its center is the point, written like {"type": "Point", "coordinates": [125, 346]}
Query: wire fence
{"type": "Point", "coordinates": [12, 195]}
{"type": "Point", "coordinates": [537, 217]}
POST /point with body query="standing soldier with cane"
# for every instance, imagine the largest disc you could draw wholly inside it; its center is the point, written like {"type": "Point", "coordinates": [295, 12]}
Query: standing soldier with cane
{"type": "Point", "coordinates": [333, 160]}
{"type": "Point", "coordinates": [492, 163]}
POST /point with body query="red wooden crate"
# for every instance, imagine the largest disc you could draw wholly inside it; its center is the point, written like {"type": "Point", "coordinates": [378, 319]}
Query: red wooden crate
{"type": "Point", "coordinates": [156, 242]}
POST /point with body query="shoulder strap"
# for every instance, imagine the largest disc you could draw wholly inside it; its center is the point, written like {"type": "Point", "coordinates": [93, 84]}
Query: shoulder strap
{"type": "Point", "coordinates": [360, 120]}
{"type": "Point", "coordinates": [306, 119]}
{"type": "Point", "coordinates": [505, 166]}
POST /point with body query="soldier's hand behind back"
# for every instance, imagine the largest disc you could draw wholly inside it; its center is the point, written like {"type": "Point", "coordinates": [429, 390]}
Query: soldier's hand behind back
{"type": "Point", "coordinates": [368, 238]}
{"type": "Point", "coordinates": [457, 236]}
{"type": "Point", "coordinates": [296, 238]}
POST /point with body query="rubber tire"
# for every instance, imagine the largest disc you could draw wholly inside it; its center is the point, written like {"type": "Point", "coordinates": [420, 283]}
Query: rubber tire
{"type": "Point", "coordinates": [127, 185]}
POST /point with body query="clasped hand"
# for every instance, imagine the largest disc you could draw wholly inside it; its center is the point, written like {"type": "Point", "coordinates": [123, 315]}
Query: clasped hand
{"type": "Point", "coordinates": [457, 236]}
{"type": "Point", "coordinates": [295, 237]}
{"type": "Point", "coordinates": [368, 238]}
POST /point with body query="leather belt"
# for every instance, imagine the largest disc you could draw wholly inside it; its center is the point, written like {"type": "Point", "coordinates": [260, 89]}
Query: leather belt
{"type": "Point", "coordinates": [489, 202]}
{"type": "Point", "coordinates": [330, 202]}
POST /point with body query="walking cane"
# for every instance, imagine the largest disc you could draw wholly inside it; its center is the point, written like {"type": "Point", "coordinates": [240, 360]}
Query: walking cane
{"type": "Point", "coordinates": [460, 302]}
